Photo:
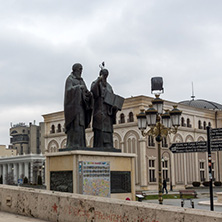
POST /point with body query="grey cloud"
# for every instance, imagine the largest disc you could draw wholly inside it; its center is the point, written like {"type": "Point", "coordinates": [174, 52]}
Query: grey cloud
{"type": "Point", "coordinates": [40, 40]}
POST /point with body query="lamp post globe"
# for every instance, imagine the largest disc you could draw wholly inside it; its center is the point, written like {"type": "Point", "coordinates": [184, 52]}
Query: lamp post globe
{"type": "Point", "coordinates": [151, 116]}
{"type": "Point", "coordinates": [141, 117]}
{"type": "Point", "coordinates": [175, 116]}
{"type": "Point", "coordinates": [166, 119]}
{"type": "Point", "coordinates": [158, 104]}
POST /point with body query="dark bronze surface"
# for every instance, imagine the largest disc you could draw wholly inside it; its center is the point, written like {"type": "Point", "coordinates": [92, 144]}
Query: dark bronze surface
{"type": "Point", "coordinates": [77, 108]}
{"type": "Point", "coordinates": [61, 181]}
{"type": "Point", "coordinates": [120, 182]}
{"type": "Point", "coordinates": [106, 105]}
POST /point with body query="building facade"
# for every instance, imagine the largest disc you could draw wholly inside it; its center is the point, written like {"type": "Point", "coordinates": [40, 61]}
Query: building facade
{"type": "Point", "coordinates": [27, 159]}
{"type": "Point", "coordinates": [10, 151]}
{"type": "Point", "coordinates": [18, 167]}
{"type": "Point", "coordinates": [28, 139]}
{"type": "Point", "coordinates": [178, 169]}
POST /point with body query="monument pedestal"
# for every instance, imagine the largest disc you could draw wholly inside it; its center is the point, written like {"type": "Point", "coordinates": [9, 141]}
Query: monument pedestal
{"type": "Point", "coordinates": [107, 174]}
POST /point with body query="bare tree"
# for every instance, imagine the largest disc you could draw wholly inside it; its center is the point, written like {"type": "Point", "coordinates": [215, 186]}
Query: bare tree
{"type": "Point", "coordinates": [9, 178]}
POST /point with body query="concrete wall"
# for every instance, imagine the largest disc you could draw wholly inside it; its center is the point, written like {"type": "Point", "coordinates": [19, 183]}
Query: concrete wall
{"type": "Point", "coordinates": [64, 207]}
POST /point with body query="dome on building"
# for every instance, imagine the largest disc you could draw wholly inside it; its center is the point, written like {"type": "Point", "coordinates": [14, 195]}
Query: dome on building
{"type": "Point", "coordinates": [203, 104]}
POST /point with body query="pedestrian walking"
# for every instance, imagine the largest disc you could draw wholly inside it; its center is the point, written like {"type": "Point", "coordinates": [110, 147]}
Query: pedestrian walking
{"type": "Point", "coordinates": [165, 186]}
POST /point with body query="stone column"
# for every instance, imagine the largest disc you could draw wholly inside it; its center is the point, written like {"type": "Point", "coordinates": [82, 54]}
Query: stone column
{"type": "Point", "coordinates": [185, 169]}
{"type": "Point", "coordinates": [20, 170]}
{"type": "Point", "coordinates": [1, 170]}
{"type": "Point", "coordinates": [15, 173]}
{"type": "Point", "coordinates": [142, 161]}
{"type": "Point", "coordinates": [26, 169]}
{"type": "Point", "coordinates": [122, 146]}
{"type": "Point", "coordinates": [9, 168]}
{"type": "Point", "coordinates": [4, 173]}
{"type": "Point", "coordinates": [197, 171]}
{"type": "Point", "coordinates": [31, 172]}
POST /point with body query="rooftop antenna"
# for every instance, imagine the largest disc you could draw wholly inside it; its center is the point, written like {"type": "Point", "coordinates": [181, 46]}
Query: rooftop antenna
{"type": "Point", "coordinates": [193, 96]}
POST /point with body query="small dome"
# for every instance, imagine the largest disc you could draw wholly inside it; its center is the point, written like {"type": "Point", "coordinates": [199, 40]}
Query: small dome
{"type": "Point", "coordinates": [203, 104]}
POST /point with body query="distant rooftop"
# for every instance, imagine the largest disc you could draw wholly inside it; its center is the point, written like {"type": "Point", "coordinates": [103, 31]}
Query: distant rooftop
{"type": "Point", "coordinates": [19, 124]}
{"type": "Point", "coordinates": [203, 104]}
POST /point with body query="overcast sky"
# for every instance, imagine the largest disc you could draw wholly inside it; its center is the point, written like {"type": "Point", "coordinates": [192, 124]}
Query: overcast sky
{"type": "Point", "coordinates": [40, 40]}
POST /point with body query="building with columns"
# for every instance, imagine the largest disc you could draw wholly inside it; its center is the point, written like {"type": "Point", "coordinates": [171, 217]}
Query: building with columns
{"type": "Point", "coordinates": [27, 159]}
{"type": "Point", "coordinates": [178, 169]}
{"type": "Point", "coordinates": [21, 166]}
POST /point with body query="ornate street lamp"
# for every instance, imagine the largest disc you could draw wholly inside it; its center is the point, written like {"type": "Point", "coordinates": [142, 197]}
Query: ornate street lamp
{"type": "Point", "coordinates": [160, 125]}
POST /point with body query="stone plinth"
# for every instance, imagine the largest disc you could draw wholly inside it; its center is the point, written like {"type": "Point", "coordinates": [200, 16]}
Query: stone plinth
{"type": "Point", "coordinates": [65, 172]}
{"type": "Point", "coordinates": [217, 202]}
{"type": "Point", "coordinates": [219, 197]}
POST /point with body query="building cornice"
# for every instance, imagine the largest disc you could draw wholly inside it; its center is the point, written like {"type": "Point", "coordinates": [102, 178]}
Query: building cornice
{"type": "Point", "coordinates": [22, 158]}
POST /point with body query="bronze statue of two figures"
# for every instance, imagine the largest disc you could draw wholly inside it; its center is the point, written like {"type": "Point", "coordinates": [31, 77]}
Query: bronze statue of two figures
{"type": "Point", "coordinates": [81, 105]}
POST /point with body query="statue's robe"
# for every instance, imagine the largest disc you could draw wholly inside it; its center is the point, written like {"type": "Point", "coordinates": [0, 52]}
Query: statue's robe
{"type": "Point", "coordinates": [104, 116]}
{"type": "Point", "coordinates": [77, 111]}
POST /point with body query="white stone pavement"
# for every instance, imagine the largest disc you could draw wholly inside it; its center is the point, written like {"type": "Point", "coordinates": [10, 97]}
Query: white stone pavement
{"type": "Point", "coordinates": [4, 216]}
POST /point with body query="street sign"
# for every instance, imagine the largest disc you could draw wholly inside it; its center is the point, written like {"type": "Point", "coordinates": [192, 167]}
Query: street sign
{"type": "Point", "coordinates": [216, 145]}
{"type": "Point", "coordinates": [20, 181]}
{"type": "Point", "coordinates": [189, 147]}
{"type": "Point", "coordinates": [216, 133]}
{"type": "Point", "coordinates": [193, 147]}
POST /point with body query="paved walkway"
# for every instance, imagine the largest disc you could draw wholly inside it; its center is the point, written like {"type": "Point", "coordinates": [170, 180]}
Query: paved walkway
{"type": "Point", "coordinates": [202, 195]}
{"type": "Point", "coordinates": [4, 216]}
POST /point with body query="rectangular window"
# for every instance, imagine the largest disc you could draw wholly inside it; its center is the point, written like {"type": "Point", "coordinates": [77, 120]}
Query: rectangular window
{"type": "Point", "coordinates": [151, 163]}
{"type": "Point", "coordinates": [164, 142]}
{"type": "Point", "coordinates": [165, 170]}
{"type": "Point", "coordinates": [152, 177]}
{"type": "Point", "coordinates": [151, 141]}
{"type": "Point", "coordinates": [202, 171]}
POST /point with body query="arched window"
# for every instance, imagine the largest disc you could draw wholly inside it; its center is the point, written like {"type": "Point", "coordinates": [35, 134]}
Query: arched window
{"type": "Point", "coordinates": [131, 118]}
{"type": "Point", "coordinates": [151, 141]}
{"type": "Point", "coordinates": [209, 124]}
{"type": "Point", "coordinates": [164, 142]}
{"type": "Point", "coordinates": [122, 118]}
{"type": "Point", "coordinates": [188, 123]}
{"type": "Point", "coordinates": [59, 128]}
{"type": "Point", "coordinates": [52, 129]}
{"type": "Point", "coordinates": [14, 131]}
{"type": "Point", "coordinates": [183, 122]}
{"type": "Point", "coordinates": [204, 125]}
{"type": "Point", "coordinates": [199, 125]}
